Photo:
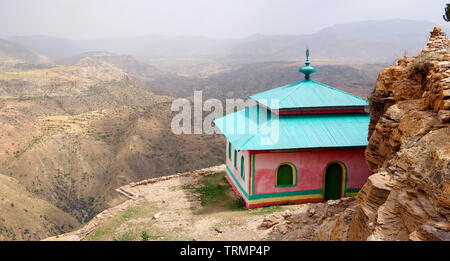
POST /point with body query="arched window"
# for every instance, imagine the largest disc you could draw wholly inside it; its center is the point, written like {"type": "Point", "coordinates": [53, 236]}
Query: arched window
{"type": "Point", "coordinates": [286, 175]}
{"type": "Point", "coordinates": [235, 159]}
{"type": "Point", "coordinates": [242, 168]}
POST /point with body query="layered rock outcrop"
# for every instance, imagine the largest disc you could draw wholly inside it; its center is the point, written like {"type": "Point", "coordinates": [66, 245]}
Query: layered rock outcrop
{"type": "Point", "coordinates": [408, 196]}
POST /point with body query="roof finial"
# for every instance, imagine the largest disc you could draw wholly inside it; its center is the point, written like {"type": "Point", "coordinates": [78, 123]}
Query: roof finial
{"type": "Point", "coordinates": [307, 69]}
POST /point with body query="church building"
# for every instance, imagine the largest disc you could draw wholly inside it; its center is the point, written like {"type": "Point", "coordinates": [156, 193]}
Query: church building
{"type": "Point", "coordinates": [302, 142]}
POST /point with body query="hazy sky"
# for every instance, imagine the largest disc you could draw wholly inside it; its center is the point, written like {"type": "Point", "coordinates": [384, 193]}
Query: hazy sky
{"type": "Point", "coordinates": [82, 19]}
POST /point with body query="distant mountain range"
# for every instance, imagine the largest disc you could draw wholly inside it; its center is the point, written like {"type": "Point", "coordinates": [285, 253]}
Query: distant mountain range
{"type": "Point", "coordinates": [125, 62]}
{"type": "Point", "coordinates": [365, 41]}
{"type": "Point", "coordinates": [14, 56]}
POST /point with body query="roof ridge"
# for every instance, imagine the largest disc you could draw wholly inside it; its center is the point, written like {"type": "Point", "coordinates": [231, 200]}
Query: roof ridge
{"type": "Point", "coordinates": [297, 85]}
{"type": "Point", "coordinates": [283, 86]}
{"type": "Point", "coordinates": [292, 96]}
{"type": "Point", "coordinates": [330, 87]}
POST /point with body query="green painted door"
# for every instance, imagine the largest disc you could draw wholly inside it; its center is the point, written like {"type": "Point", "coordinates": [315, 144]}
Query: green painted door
{"type": "Point", "coordinates": [333, 177]}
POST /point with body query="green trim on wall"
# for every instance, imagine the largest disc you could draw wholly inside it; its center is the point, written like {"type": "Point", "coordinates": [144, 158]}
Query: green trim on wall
{"type": "Point", "coordinates": [288, 193]}
{"type": "Point", "coordinates": [252, 195]}
{"type": "Point", "coordinates": [237, 182]}
{"type": "Point", "coordinates": [345, 179]}
{"type": "Point", "coordinates": [273, 195]}
{"type": "Point", "coordinates": [229, 150]}
{"type": "Point", "coordinates": [352, 190]}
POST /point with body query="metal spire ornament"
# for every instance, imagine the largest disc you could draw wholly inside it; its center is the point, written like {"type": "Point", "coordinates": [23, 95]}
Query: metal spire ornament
{"type": "Point", "coordinates": [307, 69]}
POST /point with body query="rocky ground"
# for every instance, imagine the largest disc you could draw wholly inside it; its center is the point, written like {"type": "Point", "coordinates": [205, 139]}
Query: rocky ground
{"type": "Point", "coordinates": [313, 221]}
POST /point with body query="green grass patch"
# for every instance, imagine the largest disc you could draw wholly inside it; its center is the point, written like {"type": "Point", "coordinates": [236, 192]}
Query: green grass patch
{"type": "Point", "coordinates": [216, 194]}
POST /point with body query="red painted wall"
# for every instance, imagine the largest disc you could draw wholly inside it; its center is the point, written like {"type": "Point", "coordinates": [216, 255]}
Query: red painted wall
{"type": "Point", "coordinates": [310, 166]}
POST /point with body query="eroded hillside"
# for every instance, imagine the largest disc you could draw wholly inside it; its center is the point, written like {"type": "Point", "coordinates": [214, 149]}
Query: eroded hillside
{"type": "Point", "coordinates": [24, 216]}
{"type": "Point", "coordinates": [72, 134]}
{"type": "Point", "coordinates": [14, 57]}
{"type": "Point", "coordinates": [125, 62]}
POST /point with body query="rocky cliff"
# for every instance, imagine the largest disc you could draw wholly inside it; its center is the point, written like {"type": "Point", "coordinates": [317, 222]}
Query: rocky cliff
{"type": "Point", "coordinates": [408, 196]}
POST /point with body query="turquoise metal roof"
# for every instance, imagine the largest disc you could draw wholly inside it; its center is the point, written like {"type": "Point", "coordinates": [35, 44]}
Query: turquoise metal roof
{"type": "Point", "coordinates": [307, 94]}
{"type": "Point", "coordinates": [247, 131]}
